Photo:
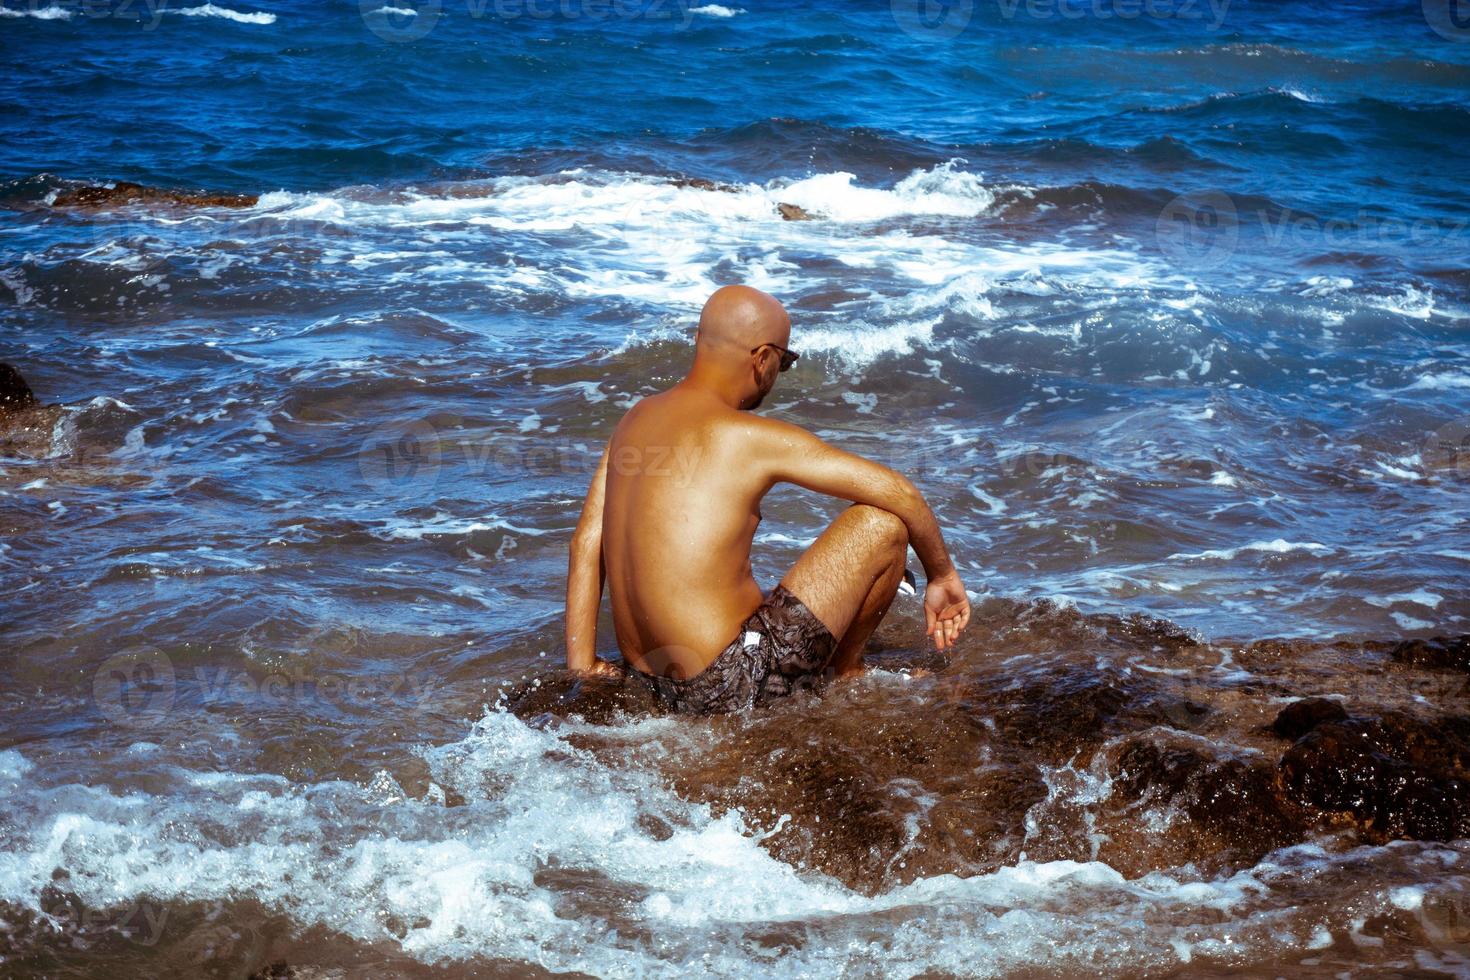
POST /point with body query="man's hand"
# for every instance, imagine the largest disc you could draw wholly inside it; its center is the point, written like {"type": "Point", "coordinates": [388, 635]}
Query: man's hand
{"type": "Point", "coordinates": [601, 668]}
{"type": "Point", "coordinates": [946, 609]}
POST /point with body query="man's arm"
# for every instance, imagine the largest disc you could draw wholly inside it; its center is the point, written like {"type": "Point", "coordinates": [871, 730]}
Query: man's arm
{"type": "Point", "coordinates": [585, 576]}
{"type": "Point", "coordinates": [794, 455]}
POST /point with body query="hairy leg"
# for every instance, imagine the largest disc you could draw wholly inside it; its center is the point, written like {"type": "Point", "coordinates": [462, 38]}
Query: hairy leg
{"type": "Point", "coordinates": [849, 576]}
{"type": "Point", "coordinates": [849, 656]}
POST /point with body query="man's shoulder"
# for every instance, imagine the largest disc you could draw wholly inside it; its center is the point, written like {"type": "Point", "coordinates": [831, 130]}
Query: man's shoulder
{"type": "Point", "coordinates": [670, 419]}
{"type": "Point", "coordinates": [768, 437]}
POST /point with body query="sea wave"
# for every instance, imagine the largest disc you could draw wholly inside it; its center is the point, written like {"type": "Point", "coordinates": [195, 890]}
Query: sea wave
{"type": "Point", "coordinates": [212, 10]}
{"type": "Point", "coordinates": [505, 872]}
{"type": "Point", "coordinates": [716, 10]}
{"type": "Point", "coordinates": [39, 13]}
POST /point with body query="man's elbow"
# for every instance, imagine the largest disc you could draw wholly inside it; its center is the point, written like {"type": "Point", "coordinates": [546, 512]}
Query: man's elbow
{"type": "Point", "coordinates": [908, 501]}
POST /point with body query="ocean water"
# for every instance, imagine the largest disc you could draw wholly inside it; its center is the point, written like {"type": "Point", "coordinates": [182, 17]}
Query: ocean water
{"type": "Point", "coordinates": [1165, 306]}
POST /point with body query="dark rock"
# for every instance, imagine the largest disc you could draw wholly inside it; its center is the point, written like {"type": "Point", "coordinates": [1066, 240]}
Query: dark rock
{"type": "Point", "coordinates": [1060, 712]}
{"type": "Point", "coordinates": [544, 699]}
{"type": "Point", "coordinates": [793, 212]}
{"type": "Point", "coordinates": [1234, 813]}
{"type": "Point", "coordinates": [1186, 714]}
{"type": "Point", "coordinates": [1438, 652]}
{"type": "Point", "coordinates": [1300, 717]}
{"type": "Point", "coordinates": [1275, 652]}
{"type": "Point", "coordinates": [127, 192]}
{"type": "Point", "coordinates": [15, 394]}
{"type": "Point", "coordinates": [1398, 776]}
{"type": "Point", "coordinates": [703, 184]}
{"type": "Point", "coordinates": [279, 970]}
{"type": "Point", "coordinates": [1149, 633]}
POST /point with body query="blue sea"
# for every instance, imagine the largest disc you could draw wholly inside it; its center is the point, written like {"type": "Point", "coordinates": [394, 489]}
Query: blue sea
{"type": "Point", "coordinates": [331, 306]}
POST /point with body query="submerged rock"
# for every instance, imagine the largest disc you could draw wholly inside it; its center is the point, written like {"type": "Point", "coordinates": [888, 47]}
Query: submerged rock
{"type": "Point", "coordinates": [703, 184]}
{"type": "Point", "coordinates": [1052, 734]}
{"type": "Point", "coordinates": [1219, 810]}
{"type": "Point", "coordinates": [1395, 775]}
{"type": "Point", "coordinates": [795, 212]}
{"type": "Point", "coordinates": [1300, 717]}
{"type": "Point", "coordinates": [15, 394]}
{"type": "Point", "coordinates": [599, 700]}
{"type": "Point", "coordinates": [127, 192]}
{"type": "Point", "coordinates": [1437, 652]}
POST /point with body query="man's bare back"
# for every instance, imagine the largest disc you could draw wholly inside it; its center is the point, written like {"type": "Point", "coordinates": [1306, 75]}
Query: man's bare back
{"type": "Point", "coordinates": [681, 511]}
{"type": "Point", "coordinates": [673, 509]}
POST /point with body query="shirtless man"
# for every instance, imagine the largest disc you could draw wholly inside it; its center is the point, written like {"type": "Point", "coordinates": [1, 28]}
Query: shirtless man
{"type": "Point", "coordinates": [672, 511]}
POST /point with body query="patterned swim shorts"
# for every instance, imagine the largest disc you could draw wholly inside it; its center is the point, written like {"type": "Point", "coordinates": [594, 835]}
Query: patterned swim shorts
{"type": "Point", "coordinates": [780, 647]}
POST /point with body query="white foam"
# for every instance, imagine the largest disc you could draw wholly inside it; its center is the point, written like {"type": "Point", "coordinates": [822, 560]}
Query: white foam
{"type": "Point", "coordinates": [994, 506]}
{"type": "Point", "coordinates": [470, 881]}
{"type": "Point", "coordinates": [1417, 304]}
{"type": "Point", "coordinates": [861, 342]}
{"type": "Point", "coordinates": [945, 190]}
{"type": "Point", "coordinates": [652, 242]}
{"type": "Point", "coordinates": [13, 765]}
{"type": "Point", "coordinates": [1279, 546]}
{"type": "Point", "coordinates": [1297, 94]}
{"type": "Point", "coordinates": [1398, 472]}
{"type": "Point", "coordinates": [43, 13]}
{"type": "Point", "coordinates": [1408, 622]}
{"type": "Point", "coordinates": [1419, 597]}
{"type": "Point", "coordinates": [448, 525]}
{"type": "Point", "coordinates": [1440, 382]}
{"type": "Point", "coordinates": [715, 10]}
{"type": "Point", "coordinates": [1407, 897]}
{"type": "Point", "coordinates": [1318, 286]}
{"type": "Point", "coordinates": [211, 10]}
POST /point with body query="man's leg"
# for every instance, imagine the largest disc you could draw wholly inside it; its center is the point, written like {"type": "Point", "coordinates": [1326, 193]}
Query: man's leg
{"type": "Point", "coordinates": [849, 576]}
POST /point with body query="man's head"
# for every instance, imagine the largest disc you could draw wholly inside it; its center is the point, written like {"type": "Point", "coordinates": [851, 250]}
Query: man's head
{"type": "Point", "coordinates": [744, 335]}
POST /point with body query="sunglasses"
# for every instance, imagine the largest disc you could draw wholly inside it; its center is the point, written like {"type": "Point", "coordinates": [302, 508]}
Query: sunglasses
{"type": "Point", "coordinates": [788, 357]}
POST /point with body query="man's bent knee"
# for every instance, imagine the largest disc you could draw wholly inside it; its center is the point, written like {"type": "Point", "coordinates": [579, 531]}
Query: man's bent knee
{"type": "Point", "coordinates": [884, 526]}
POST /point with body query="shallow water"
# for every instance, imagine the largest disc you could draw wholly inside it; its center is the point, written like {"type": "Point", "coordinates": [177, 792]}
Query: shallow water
{"type": "Point", "coordinates": [1167, 319]}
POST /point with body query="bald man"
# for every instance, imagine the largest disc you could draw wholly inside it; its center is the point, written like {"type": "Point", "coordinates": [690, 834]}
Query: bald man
{"type": "Point", "coordinates": [672, 511]}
